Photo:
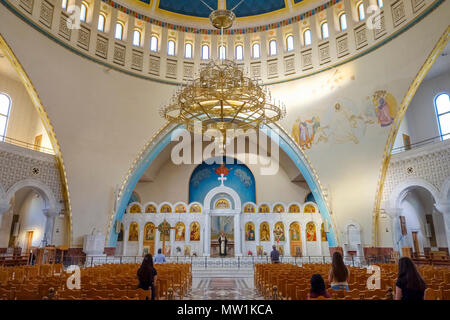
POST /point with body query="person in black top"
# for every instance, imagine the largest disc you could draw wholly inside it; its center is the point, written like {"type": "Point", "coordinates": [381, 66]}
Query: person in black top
{"type": "Point", "coordinates": [275, 255]}
{"type": "Point", "coordinates": [147, 275]}
{"type": "Point", "coordinates": [409, 285]}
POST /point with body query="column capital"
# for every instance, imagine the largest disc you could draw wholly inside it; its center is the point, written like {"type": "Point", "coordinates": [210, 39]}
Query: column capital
{"type": "Point", "coordinates": [51, 212]}
{"type": "Point", "coordinates": [443, 207]}
{"type": "Point", "coordinates": [4, 206]}
{"type": "Point", "coordinates": [393, 212]}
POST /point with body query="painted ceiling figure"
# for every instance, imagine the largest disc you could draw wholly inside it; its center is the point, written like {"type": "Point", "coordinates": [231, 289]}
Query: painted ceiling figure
{"type": "Point", "coordinates": [342, 124]}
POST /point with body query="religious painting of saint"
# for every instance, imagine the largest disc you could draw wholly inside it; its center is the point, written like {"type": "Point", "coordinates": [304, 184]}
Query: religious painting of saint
{"type": "Point", "coordinates": [179, 231]}
{"type": "Point", "coordinates": [259, 251]}
{"type": "Point", "coordinates": [167, 250]}
{"type": "Point", "coordinates": [264, 208]}
{"type": "Point", "coordinates": [135, 208]}
{"type": "Point", "coordinates": [164, 231]}
{"type": "Point", "coordinates": [150, 209]}
{"type": "Point", "coordinates": [278, 208]}
{"type": "Point", "coordinates": [298, 251]}
{"type": "Point", "coordinates": [195, 209]}
{"type": "Point", "coordinates": [166, 209]}
{"type": "Point", "coordinates": [180, 209]}
{"type": "Point", "coordinates": [280, 249]}
{"type": "Point", "coordinates": [187, 250]}
{"type": "Point", "coordinates": [133, 232]}
{"type": "Point", "coordinates": [149, 232]}
{"type": "Point", "coordinates": [249, 208]}
{"type": "Point", "coordinates": [323, 233]}
{"type": "Point", "coordinates": [309, 208]}
{"type": "Point", "coordinates": [222, 204]}
{"type": "Point", "coordinates": [295, 231]}
{"type": "Point", "coordinates": [278, 232]}
{"type": "Point", "coordinates": [249, 231]}
{"type": "Point", "coordinates": [385, 107]}
{"type": "Point", "coordinates": [264, 232]}
{"type": "Point", "coordinates": [311, 231]}
{"type": "Point", "coordinates": [294, 208]}
{"type": "Point", "coordinates": [195, 232]}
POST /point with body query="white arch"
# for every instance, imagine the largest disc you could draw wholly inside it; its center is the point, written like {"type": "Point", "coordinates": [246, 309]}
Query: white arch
{"type": "Point", "coordinates": [222, 189]}
{"type": "Point", "coordinates": [41, 188]}
{"type": "Point", "coordinates": [405, 186]}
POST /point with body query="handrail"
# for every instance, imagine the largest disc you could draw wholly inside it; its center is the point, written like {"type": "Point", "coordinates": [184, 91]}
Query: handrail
{"type": "Point", "coordinates": [420, 143]}
{"type": "Point", "coordinates": [26, 145]}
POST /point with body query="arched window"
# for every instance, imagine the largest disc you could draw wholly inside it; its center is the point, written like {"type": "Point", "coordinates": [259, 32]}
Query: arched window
{"type": "Point", "coordinates": [222, 53]}
{"type": "Point", "coordinates": [83, 12]}
{"type": "Point", "coordinates": [380, 3]}
{"type": "Point", "coordinates": [5, 104]}
{"type": "Point", "coordinates": [64, 4]}
{"type": "Point", "coordinates": [442, 104]}
{"type": "Point", "coordinates": [343, 21]}
{"type": "Point", "coordinates": [290, 43]}
{"type": "Point", "coordinates": [171, 48]}
{"type": "Point", "coordinates": [239, 52]}
{"type": "Point", "coordinates": [324, 30]}
{"type": "Point", "coordinates": [118, 33]}
{"type": "Point", "coordinates": [307, 37]}
{"type": "Point", "coordinates": [188, 50]}
{"type": "Point", "coordinates": [256, 50]}
{"type": "Point", "coordinates": [272, 47]}
{"type": "Point", "coordinates": [205, 52]}
{"type": "Point", "coordinates": [361, 13]}
{"type": "Point", "coordinates": [154, 43]}
{"type": "Point", "coordinates": [136, 38]}
{"type": "Point", "coordinates": [101, 22]}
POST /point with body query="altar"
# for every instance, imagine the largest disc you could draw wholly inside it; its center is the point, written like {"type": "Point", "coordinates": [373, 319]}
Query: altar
{"type": "Point", "coordinates": [215, 248]}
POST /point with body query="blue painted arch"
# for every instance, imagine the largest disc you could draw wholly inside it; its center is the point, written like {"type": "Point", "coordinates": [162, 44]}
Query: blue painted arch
{"type": "Point", "coordinates": [157, 146]}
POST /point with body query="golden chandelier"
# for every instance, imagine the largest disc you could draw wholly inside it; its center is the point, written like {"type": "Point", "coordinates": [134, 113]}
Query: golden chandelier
{"type": "Point", "coordinates": [222, 97]}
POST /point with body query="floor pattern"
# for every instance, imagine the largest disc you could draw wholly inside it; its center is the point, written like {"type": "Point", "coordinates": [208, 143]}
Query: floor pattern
{"type": "Point", "coordinates": [223, 289]}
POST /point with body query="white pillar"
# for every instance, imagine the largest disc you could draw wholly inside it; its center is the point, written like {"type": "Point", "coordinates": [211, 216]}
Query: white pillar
{"type": "Point", "coordinates": [237, 235]}
{"type": "Point", "coordinates": [141, 240]}
{"type": "Point", "coordinates": [394, 214]}
{"type": "Point", "coordinates": [172, 240]}
{"type": "Point", "coordinates": [49, 224]}
{"type": "Point", "coordinates": [207, 235]}
{"type": "Point", "coordinates": [444, 208]}
{"type": "Point", "coordinates": [287, 235]}
{"type": "Point", "coordinates": [303, 235]}
{"type": "Point", "coordinates": [125, 238]}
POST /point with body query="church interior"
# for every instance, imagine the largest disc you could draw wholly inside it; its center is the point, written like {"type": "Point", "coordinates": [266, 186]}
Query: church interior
{"type": "Point", "coordinates": [219, 132]}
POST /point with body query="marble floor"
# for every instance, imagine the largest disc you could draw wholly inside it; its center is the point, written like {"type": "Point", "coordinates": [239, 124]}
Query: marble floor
{"type": "Point", "coordinates": [223, 289]}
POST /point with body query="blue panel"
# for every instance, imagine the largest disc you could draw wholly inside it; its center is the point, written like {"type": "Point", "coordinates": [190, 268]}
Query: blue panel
{"type": "Point", "coordinates": [310, 198]}
{"type": "Point", "coordinates": [204, 178]}
{"type": "Point", "coordinates": [297, 1]}
{"type": "Point", "coordinates": [254, 7]}
{"type": "Point", "coordinates": [189, 7]}
{"type": "Point", "coordinates": [145, 1]}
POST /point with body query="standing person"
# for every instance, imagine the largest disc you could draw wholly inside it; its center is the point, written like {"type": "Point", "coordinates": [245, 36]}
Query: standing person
{"type": "Point", "coordinates": [410, 284]}
{"type": "Point", "coordinates": [222, 244]}
{"type": "Point", "coordinates": [147, 275]}
{"type": "Point", "coordinates": [338, 276]}
{"type": "Point", "coordinates": [160, 258]}
{"type": "Point", "coordinates": [275, 255]}
{"type": "Point", "coordinates": [318, 287]}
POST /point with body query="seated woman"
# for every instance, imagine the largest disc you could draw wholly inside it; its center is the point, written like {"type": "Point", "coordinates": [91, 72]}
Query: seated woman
{"type": "Point", "coordinates": [339, 273]}
{"type": "Point", "coordinates": [318, 287]}
{"type": "Point", "coordinates": [410, 284]}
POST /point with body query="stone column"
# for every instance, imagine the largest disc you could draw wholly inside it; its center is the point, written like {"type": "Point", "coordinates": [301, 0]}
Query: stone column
{"type": "Point", "coordinates": [444, 208]}
{"type": "Point", "coordinates": [172, 239]}
{"type": "Point", "coordinates": [303, 236]}
{"type": "Point", "coordinates": [126, 231]}
{"type": "Point", "coordinates": [141, 239]}
{"type": "Point", "coordinates": [394, 214]}
{"type": "Point", "coordinates": [49, 224]}
{"type": "Point", "coordinates": [4, 207]}
{"type": "Point", "coordinates": [207, 235]}
{"type": "Point", "coordinates": [287, 235]}
{"type": "Point", "coordinates": [237, 235]}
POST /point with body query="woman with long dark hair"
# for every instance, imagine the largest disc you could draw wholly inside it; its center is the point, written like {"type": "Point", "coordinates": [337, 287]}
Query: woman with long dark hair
{"type": "Point", "coordinates": [147, 275]}
{"type": "Point", "coordinates": [410, 284]}
{"type": "Point", "coordinates": [339, 273]}
{"type": "Point", "coordinates": [318, 287]}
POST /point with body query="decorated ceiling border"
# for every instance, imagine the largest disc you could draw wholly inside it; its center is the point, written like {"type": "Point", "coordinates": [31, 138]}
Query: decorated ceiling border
{"type": "Point", "coordinates": [266, 27]}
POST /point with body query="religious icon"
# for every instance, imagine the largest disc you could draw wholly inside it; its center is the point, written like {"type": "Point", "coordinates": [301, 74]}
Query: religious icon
{"type": "Point", "coordinates": [278, 208]}
{"type": "Point", "coordinates": [166, 209]}
{"type": "Point", "coordinates": [250, 231]}
{"type": "Point", "coordinates": [179, 231]}
{"type": "Point", "coordinates": [195, 231]}
{"type": "Point", "coordinates": [222, 204]}
{"type": "Point", "coordinates": [134, 232]}
{"type": "Point", "coordinates": [249, 208]}
{"type": "Point", "coordinates": [259, 251]}
{"type": "Point", "coordinates": [150, 209]}
{"type": "Point", "coordinates": [310, 231]}
{"type": "Point", "coordinates": [135, 208]}
{"type": "Point", "coordinates": [264, 208]}
{"type": "Point", "coordinates": [195, 209]}
{"type": "Point", "coordinates": [264, 232]}
{"type": "Point", "coordinates": [167, 250]}
{"type": "Point", "coordinates": [280, 249]}
{"type": "Point", "coordinates": [149, 232]}
{"type": "Point", "coordinates": [278, 232]}
{"type": "Point", "coordinates": [145, 250]}
{"type": "Point", "coordinates": [323, 233]}
{"type": "Point", "coordinates": [164, 231]}
{"type": "Point", "coordinates": [385, 107]}
{"type": "Point", "coordinates": [187, 250]}
{"type": "Point", "coordinates": [222, 244]}
{"type": "Point", "coordinates": [180, 209]}
{"type": "Point", "coordinates": [294, 208]}
{"type": "Point", "coordinates": [309, 208]}
{"type": "Point", "coordinates": [295, 232]}
{"type": "Point", "coordinates": [298, 251]}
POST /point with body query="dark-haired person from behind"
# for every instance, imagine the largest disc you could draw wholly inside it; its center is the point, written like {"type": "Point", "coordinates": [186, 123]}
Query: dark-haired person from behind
{"type": "Point", "coordinates": [410, 284]}
{"type": "Point", "coordinates": [338, 277]}
{"type": "Point", "coordinates": [318, 287]}
{"type": "Point", "coordinates": [147, 275]}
